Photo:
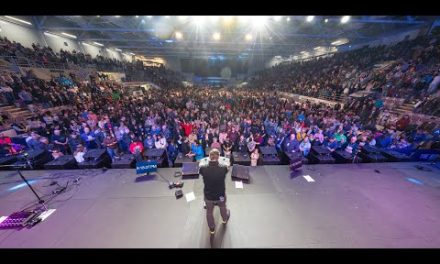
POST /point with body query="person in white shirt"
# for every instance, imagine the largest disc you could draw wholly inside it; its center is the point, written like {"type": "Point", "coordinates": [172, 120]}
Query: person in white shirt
{"type": "Point", "coordinates": [79, 153]}
{"type": "Point", "coordinates": [160, 143]}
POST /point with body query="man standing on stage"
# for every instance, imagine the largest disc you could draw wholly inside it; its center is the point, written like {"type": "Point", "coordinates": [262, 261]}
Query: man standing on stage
{"type": "Point", "coordinates": [214, 175]}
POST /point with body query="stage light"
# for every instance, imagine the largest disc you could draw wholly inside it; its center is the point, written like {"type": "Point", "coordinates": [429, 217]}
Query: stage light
{"type": "Point", "coordinates": [199, 20]}
{"type": "Point", "coordinates": [326, 20]}
{"type": "Point", "coordinates": [259, 22]}
{"type": "Point", "coordinates": [345, 19]}
{"type": "Point", "coordinates": [216, 36]}
{"type": "Point", "coordinates": [228, 19]}
{"type": "Point", "coordinates": [149, 17]}
{"type": "Point", "coordinates": [19, 20]}
{"type": "Point", "coordinates": [214, 18]}
{"type": "Point", "coordinates": [179, 35]}
{"type": "Point", "coordinates": [137, 16]}
{"type": "Point", "coordinates": [277, 18]}
{"type": "Point", "coordinates": [243, 19]}
{"type": "Point", "coordinates": [183, 17]}
{"type": "Point", "coordinates": [288, 19]}
{"type": "Point", "coordinates": [68, 35]}
{"type": "Point", "coordinates": [143, 21]}
{"type": "Point", "coordinates": [99, 44]}
{"type": "Point", "coordinates": [248, 37]}
{"type": "Point", "coordinates": [167, 16]}
{"type": "Point", "coordinates": [310, 18]}
{"type": "Point", "coordinates": [117, 16]}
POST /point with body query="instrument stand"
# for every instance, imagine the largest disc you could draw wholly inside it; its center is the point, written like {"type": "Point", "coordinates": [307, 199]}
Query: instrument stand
{"type": "Point", "coordinates": [40, 201]}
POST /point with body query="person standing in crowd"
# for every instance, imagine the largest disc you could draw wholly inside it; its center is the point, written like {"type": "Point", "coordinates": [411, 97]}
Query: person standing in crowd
{"type": "Point", "coordinates": [255, 156]}
{"type": "Point", "coordinates": [111, 145]}
{"type": "Point", "coordinates": [60, 141]}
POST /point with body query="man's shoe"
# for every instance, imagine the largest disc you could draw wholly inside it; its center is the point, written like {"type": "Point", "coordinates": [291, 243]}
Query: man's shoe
{"type": "Point", "coordinates": [212, 232]}
{"type": "Point", "coordinates": [229, 215]}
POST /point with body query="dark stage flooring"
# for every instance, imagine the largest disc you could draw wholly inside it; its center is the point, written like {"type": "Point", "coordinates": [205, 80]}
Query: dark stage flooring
{"type": "Point", "coordinates": [348, 205]}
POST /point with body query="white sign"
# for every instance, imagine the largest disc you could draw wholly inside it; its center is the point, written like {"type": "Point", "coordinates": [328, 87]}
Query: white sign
{"type": "Point", "coordinates": [308, 178]}
{"type": "Point", "coordinates": [190, 197]}
{"type": "Point", "coordinates": [239, 184]}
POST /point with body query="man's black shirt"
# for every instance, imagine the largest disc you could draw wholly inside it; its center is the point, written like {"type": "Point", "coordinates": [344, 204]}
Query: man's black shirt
{"type": "Point", "coordinates": [214, 179]}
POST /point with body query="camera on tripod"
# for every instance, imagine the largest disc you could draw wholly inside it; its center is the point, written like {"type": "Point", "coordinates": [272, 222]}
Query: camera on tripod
{"type": "Point", "coordinates": [175, 185]}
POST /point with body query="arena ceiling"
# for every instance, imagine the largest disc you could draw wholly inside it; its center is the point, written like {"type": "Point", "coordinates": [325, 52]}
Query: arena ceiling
{"type": "Point", "coordinates": [228, 35]}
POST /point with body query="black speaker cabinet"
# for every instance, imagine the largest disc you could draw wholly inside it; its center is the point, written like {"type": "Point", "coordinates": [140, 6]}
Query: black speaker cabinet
{"type": "Point", "coordinates": [125, 161]}
{"type": "Point", "coordinates": [95, 158]}
{"type": "Point", "coordinates": [63, 162]}
{"type": "Point", "coordinates": [190, 170]}
{"type": "Point", "coordinates": [240, 173]}
{"type": "Point", "coordinates": [241, 158]}
{"type": "Point", "coordinates": [182, 159]}
{"type": "Point", "coordinates": [392, 155]}
{"type": "Point", "coordinates": [159, 155]}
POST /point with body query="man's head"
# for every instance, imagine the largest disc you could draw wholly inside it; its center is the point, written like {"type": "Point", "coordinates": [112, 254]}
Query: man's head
{"type": "Point", "coordinates": [214, 154]}
{"type": "Point", "coordinates": [292, 136]}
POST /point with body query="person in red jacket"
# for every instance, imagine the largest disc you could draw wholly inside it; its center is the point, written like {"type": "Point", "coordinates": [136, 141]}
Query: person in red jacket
{"type": "Point", "coordinates": [136, 148]}
{"type": "Point", "coordinates": [187, 128]}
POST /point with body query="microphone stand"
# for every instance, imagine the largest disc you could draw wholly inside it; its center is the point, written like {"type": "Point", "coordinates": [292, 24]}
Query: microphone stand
{"type": "Point", "coordinates": [40, 200]}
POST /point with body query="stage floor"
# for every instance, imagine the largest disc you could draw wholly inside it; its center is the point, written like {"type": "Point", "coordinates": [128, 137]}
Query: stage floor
{"type": "Point", "coordinates": [348, 205]}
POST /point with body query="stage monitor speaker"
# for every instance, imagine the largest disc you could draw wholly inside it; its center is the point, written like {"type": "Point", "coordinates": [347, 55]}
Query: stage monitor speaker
{"type": "Point", "coordinates": [95, 158]}
{"type": "Point", "coordinates": [182, 159]}
{"type": "Point", "coordinates": [322, 159]}
{"type": "Point", "coordinates": [63, 162]}
{"type": "Point", "coordinates": [268, 150]}
{"type": "Point", "coordinates": [95, 154]}
{"type": "Point", "coordinates": [295, 160]}
{"type": "Point", "coordinates": [342, 156]}
{"type": "Point", "coordinates": [392, 155]}
{"type": "Point", "coordinates": [240, 173]}
{"type": "Point", "coordinates": [7, 161]}
{"type": "Point", "coordinates": [125, 161]}
{"type": "Point", "coordinates": [373, 157]}
{"type": "Point", "coordinates": [271, 160]}
{"type": "Point", "coordinates": [158, 155]}
{"type": "Point", "coordinates": [241, 158]}
{"type": "Point", "coordinates": [320, 150]}
{"type": "Point", "coordinates": [367, 149]}
{"type": "Point", "coordinates": [37, 158]}
{"type": "Point", "coordinates": [190, 170]}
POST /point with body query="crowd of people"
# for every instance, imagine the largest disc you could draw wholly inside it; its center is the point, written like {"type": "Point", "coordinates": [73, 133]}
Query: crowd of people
{"type": "Point", "coordinates": [38, 56]}
{"type": "Point", "coordinates": [187, 120]}
{"type": "Point", "coordinates": [410, 70]}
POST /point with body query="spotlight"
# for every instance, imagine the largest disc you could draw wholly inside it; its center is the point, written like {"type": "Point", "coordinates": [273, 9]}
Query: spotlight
{"type": "Point", "coordinates": [259, 22]}
{"type": "Point", "coordinates": [288, 19]}
{"type": "Point", "coordinates": [216, 36]}
{"type": "Point", "coordinates": [199, 20]}
{"type": "Point", "coordinates": [248, 37]}
{"type": "Point", "coordinates": [243, 19]}
{"type": "Point", "coordinates": [326, 20]}
{"type": "Point", "coordinates": [277, 18]}
{"type": "Point", "coordinates": [214, 18]}
{"type": "Point", "coordinates": [310, 18]}
{"type": "Point", "coordinates": [179, 35]}
{"type": "Point", "coordinates": [345, 19]}
{"type": "Point", "coordinates": [227, 19]}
